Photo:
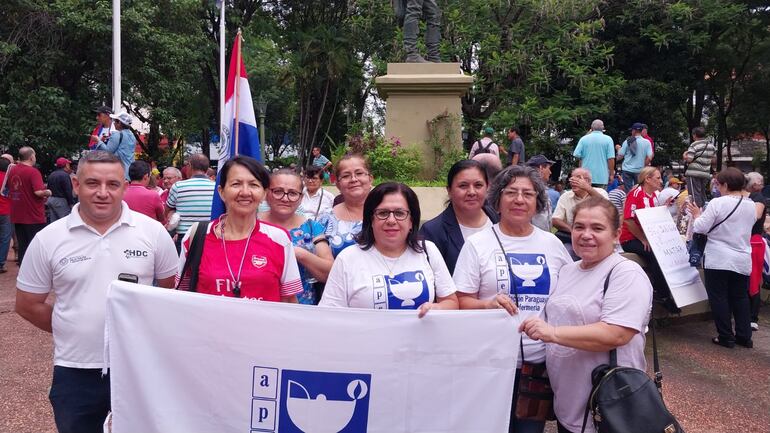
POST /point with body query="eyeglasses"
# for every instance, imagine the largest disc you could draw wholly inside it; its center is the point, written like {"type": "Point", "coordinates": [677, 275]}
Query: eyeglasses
{"type": "Point", "coordinates": [398, 214]}
{"type": "Point", "coordinates": [347, 177]}
{"type": "Point", "coordinates": [528, 194]}
{"type": "Point", "coordinates": [279, 194]}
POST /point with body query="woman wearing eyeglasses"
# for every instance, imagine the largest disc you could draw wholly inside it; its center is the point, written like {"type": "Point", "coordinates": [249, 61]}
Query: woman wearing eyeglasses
{"type": "Point", "coordinates": [344, 220]}
{"type": "Point", "coordinates": [513, 260]}
{"type": "Point", "coordinates": [310, 246]}
{"type": "Point", "coordinates": [390, 268]}
{"type": "Point", "coordinates": [242, 257]}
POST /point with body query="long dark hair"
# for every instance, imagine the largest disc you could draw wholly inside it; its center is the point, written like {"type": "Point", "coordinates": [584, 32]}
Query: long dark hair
{"type": "Point", "coordinates": [366, 237]}
{"type": "Point", "coordinates": [252, 165]}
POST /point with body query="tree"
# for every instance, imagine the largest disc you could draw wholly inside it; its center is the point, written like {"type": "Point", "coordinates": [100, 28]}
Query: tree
{"type": "Point", "coordinates": [537, 64]}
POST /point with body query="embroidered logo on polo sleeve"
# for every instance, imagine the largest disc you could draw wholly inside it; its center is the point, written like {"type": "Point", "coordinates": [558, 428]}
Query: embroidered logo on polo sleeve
{"type": "Point", "coordinates": [259, 262]}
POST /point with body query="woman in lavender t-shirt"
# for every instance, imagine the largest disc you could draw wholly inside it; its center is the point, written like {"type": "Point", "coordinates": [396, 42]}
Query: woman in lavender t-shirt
{"type": "Point", "coordinates": [581, 325]}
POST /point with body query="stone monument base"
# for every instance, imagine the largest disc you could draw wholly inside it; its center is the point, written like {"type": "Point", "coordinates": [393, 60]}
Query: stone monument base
{"type": "Point", "coordinates": [421, 98]}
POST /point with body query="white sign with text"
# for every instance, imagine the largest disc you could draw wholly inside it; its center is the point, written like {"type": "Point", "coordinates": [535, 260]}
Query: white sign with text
{"type": "Point", "coordinates": [188, 362]}
{"type": "Point", "coordinates": [670, 250]}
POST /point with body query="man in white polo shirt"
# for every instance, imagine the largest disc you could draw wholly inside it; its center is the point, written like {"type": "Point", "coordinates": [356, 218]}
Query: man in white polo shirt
{"type": "Point", "coordinates": [77, 257]}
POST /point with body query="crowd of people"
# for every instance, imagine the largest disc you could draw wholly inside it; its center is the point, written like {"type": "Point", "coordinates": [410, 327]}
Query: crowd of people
{"type": "Point", "coordinates": [506, 240]}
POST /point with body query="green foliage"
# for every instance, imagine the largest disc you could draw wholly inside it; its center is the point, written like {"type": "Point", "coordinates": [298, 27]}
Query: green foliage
{"type": "Point", "coordinates": [389, 160]}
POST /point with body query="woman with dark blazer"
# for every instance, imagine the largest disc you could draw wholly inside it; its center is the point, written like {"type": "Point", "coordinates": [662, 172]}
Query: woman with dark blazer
{"type": "Point", "coordinates": [466, 213]}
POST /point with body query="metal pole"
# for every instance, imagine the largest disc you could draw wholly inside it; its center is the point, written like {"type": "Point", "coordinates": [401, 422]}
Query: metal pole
{"type": "Point", "coordinates": [222, 73]}
{"type": "Point", "coordinates": [116, 96]}
{"type": "Point", "coordinates": [237, 100]}
{"type": "Point", "coordinates": [262, 135]}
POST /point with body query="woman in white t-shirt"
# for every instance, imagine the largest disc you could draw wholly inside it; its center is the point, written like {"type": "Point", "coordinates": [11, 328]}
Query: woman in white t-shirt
{"type": "Point", "coordinates": [390, 268]}
{"type": "Point", "coordinates": [513, 260]}
{"type": "Point", "coordinates": [466, 213]}
{"type": "Point", "coordinates": [581, 323]}
{"type": "Point", "coordinates": [343, 222]}
{"type": "Point", "coordinates": [727, 257]}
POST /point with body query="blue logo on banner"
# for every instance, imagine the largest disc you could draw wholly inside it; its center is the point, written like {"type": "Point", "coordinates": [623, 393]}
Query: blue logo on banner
{"type": "Point", "coordinates": [313, 401]}
{"type": "Point", "coordinates": [407, 291]}
{"type": "Point", "coordinates": [530, 274]}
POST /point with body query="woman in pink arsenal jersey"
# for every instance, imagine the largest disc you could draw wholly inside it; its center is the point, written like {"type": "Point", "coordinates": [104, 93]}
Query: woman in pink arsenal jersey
{"type": "Point", "coordinates": [242, 257]}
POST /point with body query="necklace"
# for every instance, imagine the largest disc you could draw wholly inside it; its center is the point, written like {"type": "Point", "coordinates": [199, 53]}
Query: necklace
{"type": "Point", "coordinates": [237, 280]}
{"type": "Point", "coordinates": [385, 262]}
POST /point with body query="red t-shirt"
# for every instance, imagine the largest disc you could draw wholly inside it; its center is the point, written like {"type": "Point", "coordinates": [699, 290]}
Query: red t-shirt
{"type": "Point", "coordinates": [269, 265]}
{"type": "Point", "coordinates": [636, 199]}
{"type": "Point", "coordinates": [26, 207]}
{"type": "Point", "coordinates": [5, 203]}
{"type": "Point", "coordinates": [145, 201]}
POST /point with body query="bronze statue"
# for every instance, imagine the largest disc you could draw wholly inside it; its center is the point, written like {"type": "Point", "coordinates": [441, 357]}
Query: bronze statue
{"type": "Point", "coordinates": [408, 13]}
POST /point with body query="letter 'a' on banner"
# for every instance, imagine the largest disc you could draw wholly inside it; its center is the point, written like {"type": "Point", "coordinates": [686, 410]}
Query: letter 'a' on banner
{"type": "Point", "coordinates": [189, 362]}
{"type": "Point", "coordinates": [239, 134]}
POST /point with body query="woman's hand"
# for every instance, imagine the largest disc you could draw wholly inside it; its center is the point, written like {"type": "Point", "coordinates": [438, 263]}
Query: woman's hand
{"type": "Point", "coordinates": [695, 211]}
{"type": "Point", "coordinates": [502, 301]}
{"type": "Point", "coordinates": [537, 329]}
{"type": "Point", "coordinates": [425, 307]}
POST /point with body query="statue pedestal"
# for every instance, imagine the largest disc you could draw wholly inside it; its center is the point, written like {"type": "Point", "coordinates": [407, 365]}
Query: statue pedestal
{"type": "Point", "coordinates": [420, 97]}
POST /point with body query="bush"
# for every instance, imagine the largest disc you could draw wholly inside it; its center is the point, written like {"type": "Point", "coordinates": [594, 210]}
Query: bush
{"type": "Point", "coordinates": [389, 160]}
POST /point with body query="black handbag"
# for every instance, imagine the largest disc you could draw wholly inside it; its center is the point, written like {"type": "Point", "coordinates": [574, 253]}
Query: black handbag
{"type": "Point", "coordinates": [625, 399]}
{"type": "Point", "coordinates": [698, 242]}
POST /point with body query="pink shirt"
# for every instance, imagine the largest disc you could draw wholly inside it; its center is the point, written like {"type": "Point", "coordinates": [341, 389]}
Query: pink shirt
{"type": "Point", "coordinates": [145, 201]}
{"type": "Point", "coordinates": [269, 266]}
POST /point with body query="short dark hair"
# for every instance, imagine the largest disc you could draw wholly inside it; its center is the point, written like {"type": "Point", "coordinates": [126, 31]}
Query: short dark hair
{"type": "Point", "coordinates": [609, 209]}
{"type": "Point", "coordinates": [4, 163]}
{"type": "Point", "coordinates": [313, 171]}
{"type": "Point", "coordinates": [255, 168]}
{"type": "Point", "coordinates": [514, 129]}
{"type": "Point", "coordinates": [699, 132]}
{"type": "Point", "coordinates": [199, 162]}
{"type": "Point", "coordinates": [366, 237]}
{"type": "Point", "coordinates": [462, 165]}
{"type": "Point", "coordinates": [732, 178]}
{"type": "Point", "coordinates": [100, 157]}
{"type": "Point", "coordinates": [138, 170]}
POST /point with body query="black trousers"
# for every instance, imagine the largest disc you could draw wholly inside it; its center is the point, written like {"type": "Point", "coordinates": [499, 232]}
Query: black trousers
{"type": "Point", "coordinates": [659, 284]}
{"type": "Point", "coordinates": [24, 235]}
{"type": "Point", "coordinates": [729, 299]}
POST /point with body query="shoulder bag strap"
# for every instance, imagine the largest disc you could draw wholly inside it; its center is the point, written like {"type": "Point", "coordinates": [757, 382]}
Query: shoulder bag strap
{"type": "Point", "coordinates": [728, 216]}
{"type": "Point", "coordinates": [513, 286]}
{"type": "Point", "coordinates": [318, 208]}
{"type": "Point", "coordinates": [614, 352]}
{"type": "Point", "coordinates": [192, 264]}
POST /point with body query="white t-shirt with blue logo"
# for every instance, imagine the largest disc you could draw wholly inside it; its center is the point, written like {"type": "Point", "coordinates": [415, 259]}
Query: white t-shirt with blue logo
{"type": "Point", "coordinates": [367, 279]}
{"type": "Point", "coordinates": [535, 260]}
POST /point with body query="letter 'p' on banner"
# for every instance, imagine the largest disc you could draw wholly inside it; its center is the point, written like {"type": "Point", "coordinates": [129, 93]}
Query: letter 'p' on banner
{"type": "Point", "coordinates": [187, 362]}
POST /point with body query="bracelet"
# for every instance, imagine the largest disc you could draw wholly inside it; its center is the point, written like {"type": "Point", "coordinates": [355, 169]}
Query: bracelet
{"type": "Point", "coordinates": [319, 240]}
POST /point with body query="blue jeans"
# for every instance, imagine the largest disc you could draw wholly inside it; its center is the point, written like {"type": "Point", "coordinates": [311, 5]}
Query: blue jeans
{"type": "Point", "coordinates": [5, 237]}
{"type": "Point", "coordinates": [522, 425]}
{"type": "Point", "coordinates": [629, 179]}
{"type": "Point", "coordinates": [80, 399]}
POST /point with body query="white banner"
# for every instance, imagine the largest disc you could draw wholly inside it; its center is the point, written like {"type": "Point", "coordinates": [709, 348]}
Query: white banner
{"type": "Point", "coordinates": [670, 250]}
{"type": "Point", "coordinates": [187, 362]}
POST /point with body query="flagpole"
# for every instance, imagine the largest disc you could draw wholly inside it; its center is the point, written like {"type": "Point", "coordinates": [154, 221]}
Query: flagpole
{"type": "Point", "coordinates": [222, 72]}
{"type": "Point", "coordinates": [238, 40]}
{"type": "Point", "coordinates": [116, 96]}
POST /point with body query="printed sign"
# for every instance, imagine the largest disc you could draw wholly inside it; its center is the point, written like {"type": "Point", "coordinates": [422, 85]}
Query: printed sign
{"type": "Point", "coordinates": [189, 362]}
{"type": "Point", "coordinates": [671, 252]}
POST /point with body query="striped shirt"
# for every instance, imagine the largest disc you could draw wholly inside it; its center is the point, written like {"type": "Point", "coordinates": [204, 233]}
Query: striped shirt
{"type": "Point", "coordinates": [702, 152]}
{"type": "Point", "coordinates": [191, 199]}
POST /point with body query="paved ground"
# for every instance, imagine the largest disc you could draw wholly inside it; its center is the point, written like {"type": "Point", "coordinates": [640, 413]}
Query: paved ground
{"type": "Point", "coordinates": [709, 388]}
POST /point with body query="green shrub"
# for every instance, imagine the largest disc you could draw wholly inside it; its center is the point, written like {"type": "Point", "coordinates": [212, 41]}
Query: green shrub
{"type": "Point", "coordinates": [390, 160]}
